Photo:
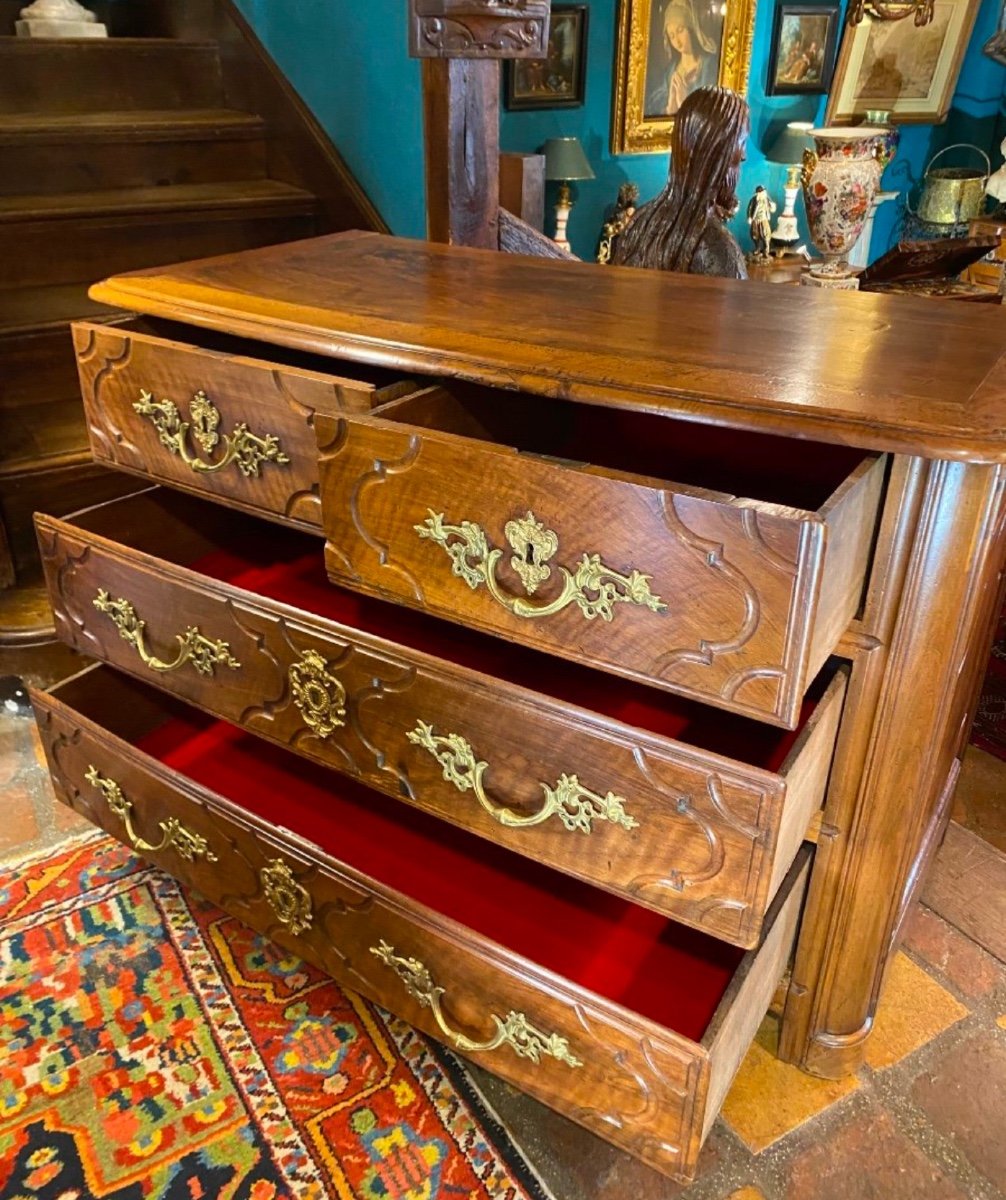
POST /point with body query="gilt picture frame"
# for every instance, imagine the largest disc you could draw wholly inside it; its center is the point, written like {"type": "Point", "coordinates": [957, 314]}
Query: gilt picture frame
{"type": "Point", "coordinates": [899, 68]}
{"type": "Point", "coordinates": [559, 80]}
{"type": "Point", "coordinates": [665, 49]}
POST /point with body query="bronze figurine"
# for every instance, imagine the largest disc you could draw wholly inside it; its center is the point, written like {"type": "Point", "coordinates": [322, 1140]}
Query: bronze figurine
{"type": "Point", "coordinates": [683, 228]}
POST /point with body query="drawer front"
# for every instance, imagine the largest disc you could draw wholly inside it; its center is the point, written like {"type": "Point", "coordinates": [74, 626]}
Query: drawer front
{"type": "Point", "coordinates": [700, 837]}
{"type": "Point", "coordinates": [705, 596]}
{"type": "Point", "coordinates": [237, 429]}
{"type": "Point", "coordinates": [620, 1075]}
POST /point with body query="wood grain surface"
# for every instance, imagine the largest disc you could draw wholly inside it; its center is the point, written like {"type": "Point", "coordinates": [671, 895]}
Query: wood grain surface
{"type": "Point", "coordinates": [711, 835]}
{"type": "Point", "coordinates": [749, 598]}
{"type": "Point", "coordinates": [641, 1086]}
{"type": "Point", "coordinates": [881, 372]}
{"type": "Point", "coordinates": [276, 398]}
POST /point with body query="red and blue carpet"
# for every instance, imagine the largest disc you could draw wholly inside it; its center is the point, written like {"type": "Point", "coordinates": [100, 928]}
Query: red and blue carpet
{"type": "Point", "coordinates": [152, 1046]}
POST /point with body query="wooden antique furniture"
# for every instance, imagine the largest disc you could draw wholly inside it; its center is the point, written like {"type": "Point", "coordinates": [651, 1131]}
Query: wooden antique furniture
{"type": "Point", "coordinates": [622, 631]}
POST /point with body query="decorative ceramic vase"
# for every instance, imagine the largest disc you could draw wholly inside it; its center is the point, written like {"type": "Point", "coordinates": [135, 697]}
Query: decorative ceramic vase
{"type": "Point", "coordinates": [840, 178]}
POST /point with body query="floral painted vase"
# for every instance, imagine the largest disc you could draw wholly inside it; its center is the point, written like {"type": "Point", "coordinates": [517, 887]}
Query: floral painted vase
{"type": "Point", "coordinates": [840, 179]}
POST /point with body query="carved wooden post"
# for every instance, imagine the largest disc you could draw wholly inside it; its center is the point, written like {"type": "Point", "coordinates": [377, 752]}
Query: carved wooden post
{"type": "Point", "coordinates": [462, 43]}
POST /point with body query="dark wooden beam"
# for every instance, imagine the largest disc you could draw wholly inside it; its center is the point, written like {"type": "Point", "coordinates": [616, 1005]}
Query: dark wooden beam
{"type": "Point", "coordinates": [461, 102]}
{"type": "Point", "coordinates": [461, 43]}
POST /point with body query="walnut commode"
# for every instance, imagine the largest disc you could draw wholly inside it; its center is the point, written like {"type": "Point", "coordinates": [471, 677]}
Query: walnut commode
{"type": "Point", "coordinates": [537, 673]}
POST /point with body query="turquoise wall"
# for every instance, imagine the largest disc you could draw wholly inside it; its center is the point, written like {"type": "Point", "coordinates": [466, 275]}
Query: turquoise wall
{"type": "Point", "coordinates": [350, 63]}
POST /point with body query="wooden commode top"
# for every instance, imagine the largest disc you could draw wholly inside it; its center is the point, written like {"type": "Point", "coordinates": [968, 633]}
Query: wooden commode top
{"type": "Point", "coordinates": [879, 372]}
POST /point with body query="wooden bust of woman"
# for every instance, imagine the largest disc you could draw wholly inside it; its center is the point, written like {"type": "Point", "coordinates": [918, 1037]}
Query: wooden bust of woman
{"type": "Point", "coordinates": [683, 228]}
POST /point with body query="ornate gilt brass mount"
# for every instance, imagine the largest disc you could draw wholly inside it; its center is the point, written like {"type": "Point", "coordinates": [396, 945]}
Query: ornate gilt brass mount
{"type": "Point", "coordinates": [318, 695]}
{"type": "Point", "coordinates": [242, 447]}
{"type": "Point", "coordinates": [174, 835]}
{"type": "Point", "coordinates": [594, 588]}
{"type": "Point", "coordinates": [513, 1030]}
{"type": "Point", "coordinates": [286, 897]}
{"type": "Point", "coordinates": [203, 653]}
{"type": "Point", "coordinates": [576, 806]}
{"type": "Point", "coordinates": [892, 10]}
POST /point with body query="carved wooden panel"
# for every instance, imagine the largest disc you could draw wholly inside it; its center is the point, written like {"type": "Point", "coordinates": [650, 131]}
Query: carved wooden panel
{"type": "Point", "coordinates": [702, 594]}
{"type": "Point", "coordinates": [237, 429]}
{"type": "Point", "coordinates": [640, 1086]}
{"type": "Point", "coordinates": [478, 28]}
{"type": "Point", "coordinates": [684, 831]}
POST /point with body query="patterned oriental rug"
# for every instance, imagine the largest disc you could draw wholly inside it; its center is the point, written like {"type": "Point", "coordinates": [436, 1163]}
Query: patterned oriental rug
{"type": "Point", "coordinates": [150, 1045]}
{"type": "Point", "coordinates": [989, 729]}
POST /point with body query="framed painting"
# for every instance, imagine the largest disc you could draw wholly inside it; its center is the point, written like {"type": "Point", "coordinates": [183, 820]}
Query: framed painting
{"type": "Point", "coordinates": [665, 50]}
{"type": "Point", "coordinates": [896, 67]}
{"type": "Point", "coordinates": [802, 56]}
{"type": "Point", "coordinates": [557, 81]}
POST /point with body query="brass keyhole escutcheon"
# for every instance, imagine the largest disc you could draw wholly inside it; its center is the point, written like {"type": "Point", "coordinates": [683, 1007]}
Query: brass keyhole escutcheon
{"type": "Point", "coordinates": [317, 695]}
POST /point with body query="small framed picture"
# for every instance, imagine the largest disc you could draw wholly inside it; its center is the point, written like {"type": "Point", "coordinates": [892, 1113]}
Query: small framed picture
{"type": "Point", "coordinates": [558, 80]}
{"type": "Point", "coordinates": [803, 49]}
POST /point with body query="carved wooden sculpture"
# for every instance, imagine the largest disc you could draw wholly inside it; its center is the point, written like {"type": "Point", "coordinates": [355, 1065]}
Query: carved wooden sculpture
{"type": "Point", "coordinates": [461, 43]}
{"type": "Point", "coordinates": [683, 228]}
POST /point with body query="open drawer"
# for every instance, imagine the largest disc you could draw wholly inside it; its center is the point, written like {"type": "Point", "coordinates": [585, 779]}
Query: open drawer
{"type": "Point", "coordinates": [694, 813]}
{"type": "Point", "coordinates": [552, 524]}
{"type": "Point", "coordinates": [627, 1023]}
{"type": "Point", "coordinates": [226, 418]}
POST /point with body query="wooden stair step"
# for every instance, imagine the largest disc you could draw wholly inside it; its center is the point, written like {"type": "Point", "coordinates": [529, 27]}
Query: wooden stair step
{"type": "Point", "coordinates": [231, 196]}
{"type": "Point", "coordinates": [40, 436]}
{"type": "Point", "coordinates": [31, 310]}
{"type": "Point", "coordinates": [64, 153]}
{"type": "Point", "coordinates": [129, 125]}
{"type": "Point", "coordinates": [106, 74]}
{"type": "Point", "coordinates": [52, 239]}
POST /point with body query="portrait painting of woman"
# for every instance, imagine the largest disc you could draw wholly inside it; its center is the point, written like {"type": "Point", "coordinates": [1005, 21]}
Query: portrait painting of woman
{"type": "Point", "coordinates": [684, 53]}
{"type": "Point", "coordinates": [666, 50]}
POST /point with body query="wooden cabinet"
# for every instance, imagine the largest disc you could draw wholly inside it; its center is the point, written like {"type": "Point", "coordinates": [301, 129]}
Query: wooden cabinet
{"type": "Point", "coordinates": [622, 632]}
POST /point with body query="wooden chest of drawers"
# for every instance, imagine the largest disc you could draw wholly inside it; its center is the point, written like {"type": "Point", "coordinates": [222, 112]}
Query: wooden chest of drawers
{"type": "Point", "coordinates": [521, 710]}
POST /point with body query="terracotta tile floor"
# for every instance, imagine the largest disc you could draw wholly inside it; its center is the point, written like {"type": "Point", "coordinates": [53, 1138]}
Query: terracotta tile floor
{"type": "Point", "coordinates": [925, 1118]}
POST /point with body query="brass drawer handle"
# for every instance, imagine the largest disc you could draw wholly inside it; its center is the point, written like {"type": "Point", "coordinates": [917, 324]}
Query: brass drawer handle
{"type": "Point", "coordinates": [592, 587]}
{"type": "Point", "coordinates": [576, 806]}
{"type": "Point", "coordinates": [203, 653]}
{"type": "Point", "coordinates": [286, 897]}
{"type": "Point", "coordinates": [175, 836]}
{"type": "Point", "coordinates": [513, 1030]}
{"type": "Point", "coordinates": [241, 446]}
{"type": "Point", "coordinates": [318, 696]}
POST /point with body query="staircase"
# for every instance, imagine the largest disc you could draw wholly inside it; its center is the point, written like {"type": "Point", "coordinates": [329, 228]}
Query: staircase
{"type": "Point", "coordinates": [116, 154]}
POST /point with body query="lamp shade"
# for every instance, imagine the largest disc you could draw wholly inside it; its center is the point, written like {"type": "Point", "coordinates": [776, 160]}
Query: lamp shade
{"type": "Point", "coordinates": [789, 146]}
{"type": "Point", "coordinates": [565, 159]}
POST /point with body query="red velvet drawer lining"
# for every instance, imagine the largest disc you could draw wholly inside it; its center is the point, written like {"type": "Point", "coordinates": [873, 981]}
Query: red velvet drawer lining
{"type": "Point", "coordinates": [288, 568]}
{"type": "Point", "coordinates": [672, 974]}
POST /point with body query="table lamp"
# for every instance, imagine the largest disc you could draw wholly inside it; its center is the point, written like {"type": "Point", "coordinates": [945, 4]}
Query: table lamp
{"type": "Point", "coordinates": [564, 161]}
{"type": "Point", "coordinates": [788, 149]}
